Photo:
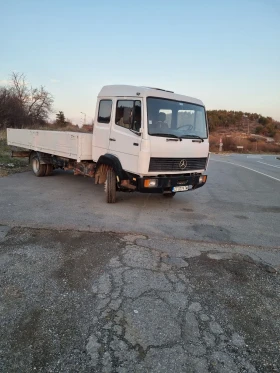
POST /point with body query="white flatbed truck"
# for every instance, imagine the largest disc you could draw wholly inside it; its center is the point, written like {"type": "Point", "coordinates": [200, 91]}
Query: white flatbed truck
{"type": "Point", "coordinates": [144, 139]}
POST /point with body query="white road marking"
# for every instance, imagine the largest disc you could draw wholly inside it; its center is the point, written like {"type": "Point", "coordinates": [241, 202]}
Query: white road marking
{"type": "Point", "coordinates": [268, 164]}
{"type": "Point", "coordinates": [254, 156]}
{"type": "Point", "coordinates": [235, 164]}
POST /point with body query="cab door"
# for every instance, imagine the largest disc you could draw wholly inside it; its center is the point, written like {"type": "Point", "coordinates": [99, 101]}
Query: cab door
{"type": "Point", "coordinates": [125, 137]}
{"type": "Point", "coordinates": [102, 125]}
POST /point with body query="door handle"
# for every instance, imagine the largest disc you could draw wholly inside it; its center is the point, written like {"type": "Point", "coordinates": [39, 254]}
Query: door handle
{"type": "Point", "coordinates": [135, 144]}
{"type": "Point", "coordinates": [112, 139]}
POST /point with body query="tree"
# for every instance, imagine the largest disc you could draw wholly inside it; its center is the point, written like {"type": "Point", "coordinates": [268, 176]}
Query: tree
{"type": "Point", "coordinates": [264, 121]}
{"type": "Point", "coordinates": [271, 129]}
{"type": "Point", "coordinates": [12, 113]}
{"type": "Point", "coordinates": [36, 102]}
{"type": "Point", "coordinates": [60, 118]}
{"type": "Point", "coordinates": [23, 106]}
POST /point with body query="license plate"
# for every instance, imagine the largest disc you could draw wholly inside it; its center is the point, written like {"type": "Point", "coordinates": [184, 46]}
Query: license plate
{"type": "Point", "coordinates": [181, 188]}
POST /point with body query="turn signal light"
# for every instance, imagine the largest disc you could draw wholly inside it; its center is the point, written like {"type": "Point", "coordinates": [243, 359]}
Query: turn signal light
{"type": "Point", "coordinates": [150, 183]}
{"type": "Point", "coordinates": [202, 179]}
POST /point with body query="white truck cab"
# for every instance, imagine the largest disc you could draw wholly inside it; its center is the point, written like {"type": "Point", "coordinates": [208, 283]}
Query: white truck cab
{"type": "Point", "coordinates": [144, 139]}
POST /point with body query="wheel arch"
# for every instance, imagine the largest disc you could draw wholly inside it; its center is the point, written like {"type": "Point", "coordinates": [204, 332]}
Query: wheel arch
{"type": "Point", "coordinates": [44, 158]}
{"type": "Point", "coordinates": [114, 162]}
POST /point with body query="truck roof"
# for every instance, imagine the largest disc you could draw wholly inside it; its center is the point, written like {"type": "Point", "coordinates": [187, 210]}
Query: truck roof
{"type": "Point", "coordinates": [132, 91]}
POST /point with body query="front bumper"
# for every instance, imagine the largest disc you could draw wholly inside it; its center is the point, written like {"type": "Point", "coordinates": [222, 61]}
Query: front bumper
{"type": "Point", "coordinates": [166, 183]}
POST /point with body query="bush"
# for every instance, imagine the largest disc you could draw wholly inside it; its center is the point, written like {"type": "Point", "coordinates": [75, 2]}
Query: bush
{"type": "Point", "coordinates": [229, 144]}
{"type": "Point", "coordinates": [250, 145]}
{"type": "Point", "coordinates": [271, 130]}
{"type": "Point", "coordinates": [214, 142]}
{"type": "Point", "coordinates": [259, 130]}
{"type": "Point", "coordinates": [268, 148]}
{"type": "Point", "coordinates": [87, 128]}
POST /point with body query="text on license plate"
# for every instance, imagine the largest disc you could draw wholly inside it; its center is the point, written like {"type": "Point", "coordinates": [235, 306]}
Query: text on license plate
{"type": "Point", "coordinates": [180, 188]}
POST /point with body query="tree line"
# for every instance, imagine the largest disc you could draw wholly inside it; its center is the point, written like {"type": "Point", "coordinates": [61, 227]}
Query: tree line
{"type": "Point", "coordinates": [223, 119]}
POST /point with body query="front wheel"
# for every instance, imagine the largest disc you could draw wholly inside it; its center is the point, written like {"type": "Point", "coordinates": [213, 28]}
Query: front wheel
{"type": "Point", "coordinates": [111, 186]}
{"type": "Point", "coordinates": [38, 168]}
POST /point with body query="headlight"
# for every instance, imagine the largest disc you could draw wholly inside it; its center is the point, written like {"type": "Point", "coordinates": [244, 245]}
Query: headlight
{"type": "Point", "coordinates": [150, 183]}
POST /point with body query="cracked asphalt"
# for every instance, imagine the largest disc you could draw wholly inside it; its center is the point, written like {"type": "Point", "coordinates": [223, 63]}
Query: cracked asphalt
{"type": "Point", "coordinates": [113, 303]}
{"type": "Point", "coordinates": [193, 287]}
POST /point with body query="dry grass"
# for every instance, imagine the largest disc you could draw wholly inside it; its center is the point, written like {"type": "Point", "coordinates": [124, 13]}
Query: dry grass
{"type": "Point", "coordinates": [9, 165]}
{"type": "Point", "coordinates": [3, 134]}
{"type": "Point", "coordinates": [250, 144]}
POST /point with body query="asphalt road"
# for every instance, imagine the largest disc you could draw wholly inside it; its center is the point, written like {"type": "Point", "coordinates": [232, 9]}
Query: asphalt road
{"type": "Point", "coordinates": [197, 292]}
{"type": "Point", "coordinates": [239, 204]}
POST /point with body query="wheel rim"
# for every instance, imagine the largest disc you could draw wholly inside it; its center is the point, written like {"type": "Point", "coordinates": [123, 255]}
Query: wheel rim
{"type": "Point", "coordinates": [36, 165]}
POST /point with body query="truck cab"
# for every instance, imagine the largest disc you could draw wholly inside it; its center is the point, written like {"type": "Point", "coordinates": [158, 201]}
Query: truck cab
{"type": "Point", "coordinates": [159, 138]}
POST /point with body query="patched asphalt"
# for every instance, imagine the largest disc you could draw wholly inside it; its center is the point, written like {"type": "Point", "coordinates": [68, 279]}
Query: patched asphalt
{"type": "Point", "coordinates": [76, 301]}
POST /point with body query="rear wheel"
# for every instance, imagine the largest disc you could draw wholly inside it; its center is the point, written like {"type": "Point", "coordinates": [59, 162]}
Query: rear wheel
{"type": "Point", "coordinates": [111, 186]}
{"type": "Point", "coordinates": [38, 168]}
{"type": "Point", "coordinates": [49, 169]}
{"type": "Point", "coordinates": [169, 195]}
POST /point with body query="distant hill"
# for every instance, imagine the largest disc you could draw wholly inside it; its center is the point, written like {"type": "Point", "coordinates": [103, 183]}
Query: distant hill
{"type": "Point", "coordinates": [223, 121]}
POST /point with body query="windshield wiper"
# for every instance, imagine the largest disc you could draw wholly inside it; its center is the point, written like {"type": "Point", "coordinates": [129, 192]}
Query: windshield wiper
{"type": "Point", "coordinates": [160, 134]}
{"type": "Point", "coordinates": [192, 137]}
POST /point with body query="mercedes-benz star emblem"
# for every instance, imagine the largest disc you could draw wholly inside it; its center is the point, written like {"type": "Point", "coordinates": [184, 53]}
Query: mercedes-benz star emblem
{"type": "Point", "coordinates": [183, 164]}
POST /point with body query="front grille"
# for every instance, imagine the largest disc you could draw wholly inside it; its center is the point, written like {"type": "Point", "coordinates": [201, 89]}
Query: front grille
{"type": "Point", "coordinates": [177, 164]}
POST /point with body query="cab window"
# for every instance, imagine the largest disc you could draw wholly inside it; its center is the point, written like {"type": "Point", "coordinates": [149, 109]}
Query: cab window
{"type": "Point", "coordinates": [104, 112]}
{"type": "Point", "coordinates": [128, 114]}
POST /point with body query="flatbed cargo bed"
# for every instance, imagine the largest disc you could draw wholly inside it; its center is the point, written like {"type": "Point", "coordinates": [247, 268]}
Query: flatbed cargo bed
{"type": "Point", "coordinates": [73, 145]}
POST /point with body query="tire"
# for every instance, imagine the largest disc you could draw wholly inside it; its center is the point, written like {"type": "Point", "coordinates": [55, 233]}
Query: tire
{"type": "Point", "coordinates": [38, 168]}
{"type": "Point", "coordinates": [169, 195]}
{"type": "Point", "coordinates": [49, 169]}
{"type": "Point", "coordinates": [111, 186]}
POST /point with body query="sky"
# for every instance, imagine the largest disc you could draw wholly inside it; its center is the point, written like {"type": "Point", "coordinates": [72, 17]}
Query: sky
{"type": "Point", "coordinates": [224, 52]}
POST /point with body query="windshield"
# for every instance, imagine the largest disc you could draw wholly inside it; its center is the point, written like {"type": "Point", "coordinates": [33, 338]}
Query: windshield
{"type": "Point", "coordinates": [175, 118]}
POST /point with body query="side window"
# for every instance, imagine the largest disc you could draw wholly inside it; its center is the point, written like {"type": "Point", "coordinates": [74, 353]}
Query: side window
{"type": "Point", "coordinates": [128, 114]}
{"type": "Point", "coordinates": [124, 113]}
{"type": "Point", "coordinates": [104, 112]}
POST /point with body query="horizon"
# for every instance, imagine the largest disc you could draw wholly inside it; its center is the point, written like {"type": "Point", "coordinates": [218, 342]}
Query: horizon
{"type": "Point", "coordinates": [226, 54]}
